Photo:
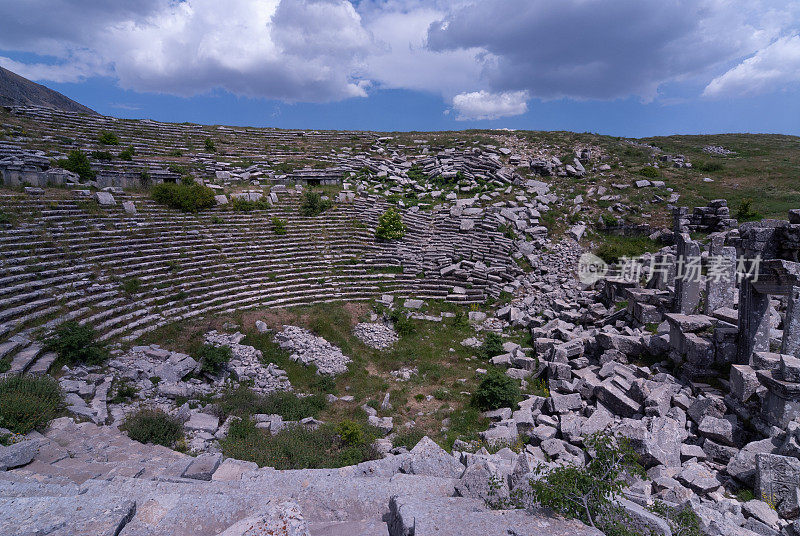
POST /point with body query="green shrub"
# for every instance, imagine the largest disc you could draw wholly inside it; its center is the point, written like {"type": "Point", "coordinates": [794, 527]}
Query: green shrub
{"type": "Point", "coordinates": [403, 325]}
{"type": "Point", "coordinates": [212, 358]}
{"type": "Point", "coordinates": [650, 172]}
{"type": "Point", "coordinates": [279, 226]}
{"type": "Point", "coordinates": [507, 230]}
{"type": "Point", "coordinates": [299, 447]}
{"type": "Point", "coordinates": [614, 247]}
{"type": "Point", "coordinates": [177, 169]}
{"type": "Point", "coordinates": [587, 492]}
{"type": "Point", "coordinates": [76, 344]}
{"type": "Point", "coordinates": [102, 155]}
{"type": "Point", "coordinates": [390, 226]}
{"type": "Point", "coordinates": [244, 402]}
{"type": "Point", "coordinates": [28, 402]}
{"type": "Point", "coordinates": [709, 167]}
{"type": "Point", "coordinates": [408, 437]}
{"type": "Point", "coordinates": [108, 138]}
{"type": "Point", "coordinates": [124, 391]}
{"type": "Point", "coordinates": [184, 197]}
{"type": "Point", "coordinates": [209, 145]}
{"type": "Point", "coordinates": [153, 426]}
{"type": "Point", "coordinates": [131, 285]}
{"type": "Point", "coordinates": [127, 153]}
{"type": "Point", "coordinates": [609, 220]}
{"type": "Point", "coordinates": [5, 219]}
{"type": "Point", "coordinates": [353, 433]}
{"type": "Point", "coordinates": [683, 521]}
{"type": "Point", "coordinates": [175, 152]}
{"type": "Point", "coordinates": [312, 204]}
{"type": "Point", "coordinates": [745, 211]}
{"type": "Point", "coordinates": [77, 162]}
{"type": "Point", "coordinates": [416, 174]}
{"type": "Point", "coordinates": [460, 320]}
{"type": "Point", "coordinates": [492, 346]}
{"type": "Point", "coordinates": [496, 391]}
{"type": "Point", "coordinates": [245, 205]}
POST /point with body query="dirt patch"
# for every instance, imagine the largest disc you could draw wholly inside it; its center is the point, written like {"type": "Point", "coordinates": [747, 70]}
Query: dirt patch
{"type": "Point", "coordinates": [301, 316]}
{"type": "Point", "coordinates": [182, 336]}
{"type": "Point", "coordinates": [356, 310]}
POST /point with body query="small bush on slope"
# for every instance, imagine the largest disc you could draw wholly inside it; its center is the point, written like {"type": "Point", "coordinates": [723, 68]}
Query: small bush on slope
{"type": "Point", "coordinates": [28, 402]}
{"type": "Point", "coordinates": [213, 358]}
{"type": "Point", "coordinates": [390, 226]}
{"type": "Point", "coordinates": [244, 402]}
{"type": "Point", "coordinates": [279, 226]}
{"type": "Point", "coordinates": [78, 162]}
{"type": "Point", "coordinates": [108, 138]}
{"type": "Point", "coordinates": [153, 426]}
{"type": "Point", "coordinates": [299, 447]}
{"type": "Point", "coordinates": [495, 391]}
{"type": "Point", "coordinates": [312, 204]}
{"type": "Point", "coordinates": [492, 346]}
{"type": "Point", "coordinates": [188, 198]}
{"type": "Point", "coordinates": [587, 492]}
{"type": "Point", "coordinates": [76, 344]}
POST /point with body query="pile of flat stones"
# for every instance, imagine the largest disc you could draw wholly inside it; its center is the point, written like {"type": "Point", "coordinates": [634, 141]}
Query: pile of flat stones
{"type": "Point", "coordinates": [247, 364]}
{"type": "Point", "coordinates": [158, 373]}
{"type": "Point", "coordinates": [308, 349]}
{"type": "Point", "coordinates": [376, 335]}
{"type": "Point", "coordinates": [717, 150]}
{"type": "Point", "coordinates": [160, 377]}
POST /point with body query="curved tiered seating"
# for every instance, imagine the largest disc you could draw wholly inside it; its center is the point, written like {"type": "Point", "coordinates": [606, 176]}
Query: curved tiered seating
{"type": "Point", "coordinates": [71, 259]}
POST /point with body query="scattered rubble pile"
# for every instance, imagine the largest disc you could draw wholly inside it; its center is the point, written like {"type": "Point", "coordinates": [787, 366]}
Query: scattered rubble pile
{"type": "Point", "coordinates": [309, 349]}
{"type": "Point", "coordinates": [246, 364]}
{"type": "Point", "coordinates": [717, 150]}
{"type": "Point", "coordinates": [705, 435]}
{"type": "Point", "coordinates": [376, 335]}
{"type": "Point", "coordinates": [157, 378]}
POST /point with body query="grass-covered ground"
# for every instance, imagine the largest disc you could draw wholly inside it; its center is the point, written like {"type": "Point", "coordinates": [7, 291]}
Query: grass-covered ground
{"type": "Point", "coordinates": [437, 399]}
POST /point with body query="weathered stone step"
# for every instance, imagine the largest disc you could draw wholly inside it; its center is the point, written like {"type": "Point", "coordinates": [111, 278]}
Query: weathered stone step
{"type": "Point", "coordinates": [43, 363]}
{"type": "Point", "coordinates": [11, 345]}
{"type": "Point", "coordinates": [458, 516]}
{"type": "Point", "coordinates": [65, 516]}
{"type": "Point", "coordinates": [22, 360]}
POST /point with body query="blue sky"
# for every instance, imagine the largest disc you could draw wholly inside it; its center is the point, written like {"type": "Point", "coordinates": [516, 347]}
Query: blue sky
{"type": "Point", "coordinates": [621, 67]}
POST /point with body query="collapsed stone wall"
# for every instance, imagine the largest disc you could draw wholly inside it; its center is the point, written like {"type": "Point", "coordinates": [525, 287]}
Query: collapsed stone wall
{"type": "Point", "coordinates": [716, 217]}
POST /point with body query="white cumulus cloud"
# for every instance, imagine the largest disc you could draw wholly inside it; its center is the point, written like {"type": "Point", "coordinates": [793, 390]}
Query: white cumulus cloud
{"type": "Point", "coordinates": [293, 50]}
{"type": "Point", "coordinates": [773, 68]}
{"type": "Point", "coordinates": [298, 50]}
{"type": "Point", "coordinates": [482, 105]}
{"type": "Point", "coordinates": [495, 54]}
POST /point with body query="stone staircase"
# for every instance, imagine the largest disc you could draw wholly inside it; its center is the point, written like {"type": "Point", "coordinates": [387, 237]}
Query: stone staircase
{"type": "Point", "coordinates": [90, 480]}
